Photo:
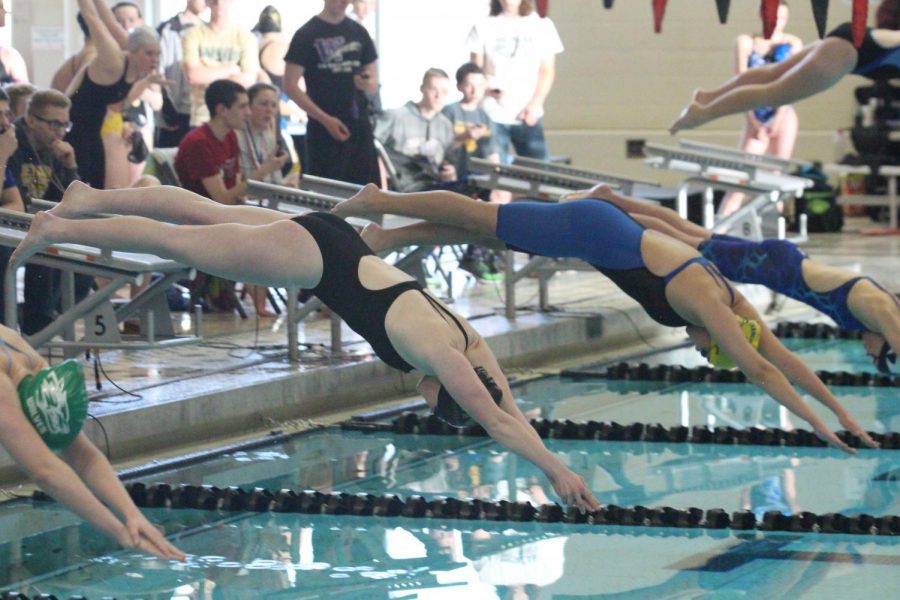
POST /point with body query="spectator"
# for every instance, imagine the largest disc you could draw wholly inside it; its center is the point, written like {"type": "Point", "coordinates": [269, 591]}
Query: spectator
{"type": "Point", "coordinates": [338, 60]}
{"type": "Point", "coordinates": [272, 48]}
{"type": "Point", "coordinates": [208, 159]}
{"type": "Point", "coordinates": [10, 197]}
{"type": "Point", "coordinates": [419, 129]}
{"type": "Point", "coordinates": [73, 65]}
{"type": "Point", "coordinates": [43, 166]}
{"type": "Point", "coordinates": [142, 102]}
{"type": "Point", "coordinates": [217, 50]}
{"type": "Point", "coordinates": [471, 124]}
{"type": "Point", "coordinates": [260, 136]}
{"type": "Point", "coordinates": [12, 65]}
{"type": "Point", "coordinates": [517, 49]}
{"type": "Point", "coordinates": [18, 93]}
{"type": "Point", "coordinates": [128, 15]}
{"type": "Point", "coordinates": [767, 129]}
{"type": "Point", "coordinates": [108, 78]}
{"type": "Point", "coordinates": [174, 120]}
{"type": "Point", "coordinates": [363, 12]}
{"type": "Point", "coordinates": [473, 129]}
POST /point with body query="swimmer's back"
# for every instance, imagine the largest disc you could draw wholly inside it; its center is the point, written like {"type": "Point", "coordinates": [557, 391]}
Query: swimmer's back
{"type": "Point", "coordinates": [17, 358]}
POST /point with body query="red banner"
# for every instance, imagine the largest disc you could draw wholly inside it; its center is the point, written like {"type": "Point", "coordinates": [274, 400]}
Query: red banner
{"type": "Point", "coordinates": [769, 11]}
{"type": "Point", "coordinates": [542, 6]}
{"type": "Point", "coordinates": [659, 10]}
{"type": "Point", "coordinates": [860, 16]}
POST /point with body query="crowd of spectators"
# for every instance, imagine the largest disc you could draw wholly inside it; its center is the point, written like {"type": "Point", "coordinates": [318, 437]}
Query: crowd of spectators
{"type": "Point", "coordinates": [240, 103]}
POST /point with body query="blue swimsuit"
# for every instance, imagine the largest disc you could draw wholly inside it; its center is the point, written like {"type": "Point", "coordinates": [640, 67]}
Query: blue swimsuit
{"type": "Point", "coordinates": [874, 61]}
{"type": "Point", "coordinates": [778, 53]}
{"type": "Point", "coordinates": [776, 264]}
{"type": "Point", "coordinates": [602, 235]}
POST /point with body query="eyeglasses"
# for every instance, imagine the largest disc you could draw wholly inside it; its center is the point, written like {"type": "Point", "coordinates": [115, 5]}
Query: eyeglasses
{"type": "Point", "coordinates": [54, 124]}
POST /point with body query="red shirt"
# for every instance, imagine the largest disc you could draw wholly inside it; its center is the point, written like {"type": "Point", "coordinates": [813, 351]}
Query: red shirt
{"type": "Point", "coordinates": [201, 154]}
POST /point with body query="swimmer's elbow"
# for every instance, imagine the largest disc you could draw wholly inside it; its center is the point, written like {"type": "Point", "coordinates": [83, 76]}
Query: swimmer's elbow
{"type": "Point", "coordinates": [760, 372]}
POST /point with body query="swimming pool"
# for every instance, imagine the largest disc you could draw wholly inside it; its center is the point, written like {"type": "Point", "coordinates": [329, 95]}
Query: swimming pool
{"type": "Point", "coordinates": [820, 354]}
{"type": "Point", "coordinates": [270, 555]}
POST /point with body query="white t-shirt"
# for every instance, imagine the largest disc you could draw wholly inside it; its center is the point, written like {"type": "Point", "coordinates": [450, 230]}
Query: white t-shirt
{"type": "Point", "coordinates": [513, 48]}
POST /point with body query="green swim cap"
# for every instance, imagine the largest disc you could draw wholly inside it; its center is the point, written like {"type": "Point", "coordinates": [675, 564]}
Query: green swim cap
{"type": "Point", "coordinates": [752, 331]}
{"type": "Point", "coordinates": [55, 401]}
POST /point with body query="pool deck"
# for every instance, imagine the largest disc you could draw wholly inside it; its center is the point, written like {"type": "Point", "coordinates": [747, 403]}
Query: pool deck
{"type": "Point", "coordinates": [239, 382]}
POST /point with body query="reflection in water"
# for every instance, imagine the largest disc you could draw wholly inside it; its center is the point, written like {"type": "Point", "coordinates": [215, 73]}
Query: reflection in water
{"type": "Point", "coordinates": [285, 556]}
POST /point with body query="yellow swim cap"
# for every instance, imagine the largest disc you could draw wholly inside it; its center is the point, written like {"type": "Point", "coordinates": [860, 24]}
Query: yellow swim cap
{"type": "Point", "coordinates": [752, 331]}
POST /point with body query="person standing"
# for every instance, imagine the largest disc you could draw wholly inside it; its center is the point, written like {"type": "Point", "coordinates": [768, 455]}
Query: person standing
{"type": "Point", "coordinates": [216, 50]}
{"type": "Point", "coordinates": [767, 129]}
{"type": "Point", "coordinates": [107, 79]}
{"type": "Point", "coordinates": [174, 120]}
{"type": "Point", "coordinates": [517, 50]}
{"type": "Point", "coordinates": [337, 58]}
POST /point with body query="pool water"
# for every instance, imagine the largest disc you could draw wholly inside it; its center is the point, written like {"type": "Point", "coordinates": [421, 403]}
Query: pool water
{"type": "Point", "coordinates": [820, 355]}
{"type": "Point", "coordinates": [250, 555]}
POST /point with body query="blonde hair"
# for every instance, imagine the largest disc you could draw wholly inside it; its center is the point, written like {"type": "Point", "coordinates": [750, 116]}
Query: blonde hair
{"type": "Point", "coordinates": [41, 99]}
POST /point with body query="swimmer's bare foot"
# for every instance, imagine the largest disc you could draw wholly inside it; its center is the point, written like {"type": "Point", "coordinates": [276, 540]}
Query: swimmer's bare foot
{"type": "Point", "coordinates": [40, 236]}
{"type": "Point", "coordinates": [360, 205]}
{"type": "Point", "coordinates": [601, 190]}
{"type": "Point", "coordinates": [259, 294]}
{"type": "Point", "coordinates": [689, 118]}
{"type": "Point", "coordinates": [75, 202]}
{"type": "Point", "coordinates": [375, 237]}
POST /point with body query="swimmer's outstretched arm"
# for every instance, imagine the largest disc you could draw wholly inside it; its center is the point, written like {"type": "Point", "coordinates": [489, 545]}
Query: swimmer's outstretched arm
{"type": "Point", "coordinates": [456, 374]}
{"type": "Point", "coordinates": [96, 472]}
{"type": "Point", "coordinates": [59, 480]}
{"type": "Point", "coordinates": [799, 373]}
{"type": "Point", "coordinates": [760, 370]}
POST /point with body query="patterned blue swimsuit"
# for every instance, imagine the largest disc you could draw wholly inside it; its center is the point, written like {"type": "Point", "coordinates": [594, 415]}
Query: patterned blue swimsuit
{"type": "Point", "coordinates": [776, 264]}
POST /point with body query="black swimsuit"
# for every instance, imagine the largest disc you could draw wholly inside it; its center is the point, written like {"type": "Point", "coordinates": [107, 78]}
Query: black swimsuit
{"type": "Point", "coordinates": [874, 61]}
{"type": "Point", "coordinates": [89, 103]}
{"type": "Point", "coordinates": [363, 309]}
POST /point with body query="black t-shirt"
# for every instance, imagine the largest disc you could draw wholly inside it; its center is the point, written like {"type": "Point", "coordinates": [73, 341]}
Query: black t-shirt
{"type": "Point", "coordinates": [330, 55]}
{"type": "Point", "coordinates": [38, 174]}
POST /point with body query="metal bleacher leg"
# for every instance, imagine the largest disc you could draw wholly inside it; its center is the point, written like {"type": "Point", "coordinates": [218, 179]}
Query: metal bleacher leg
{"type": "Point", "coordinates": [709, 209]}
{"type": "Point", "coordinates": [681, 202]}
{"type": "Point", "coordinates": [336, 335]}
{"type": "Point", "coordinates": [67, 300]}
{"type": "Point", "coordinates": [892, 196]}
{"type": "Point", "coordinates": [11, 309]}
{"type": "Point", "coordinates": [509, 282]}
{"type": "Point", "coordinates": [292, 324]}
{"type": "Point", "coordinates": [544, 290]}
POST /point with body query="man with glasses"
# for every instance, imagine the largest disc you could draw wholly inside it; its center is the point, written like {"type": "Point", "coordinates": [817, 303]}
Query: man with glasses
{"type": "Point", "coordinates": [43, 165]}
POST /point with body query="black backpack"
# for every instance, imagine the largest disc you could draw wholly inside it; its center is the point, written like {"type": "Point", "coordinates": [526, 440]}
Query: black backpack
{"type": "Point", "coordinates": [819, 202]}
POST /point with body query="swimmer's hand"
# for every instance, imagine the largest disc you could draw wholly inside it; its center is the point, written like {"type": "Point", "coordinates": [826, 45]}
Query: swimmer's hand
{"type": "Point", "coordinates": [146, 537]}
{"type": "Point", "coordinates": [850, 424]}
{"type": "Point", "coordinates": [573, 491]}
{"type": "Point", "coordinates": [829, 436]}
